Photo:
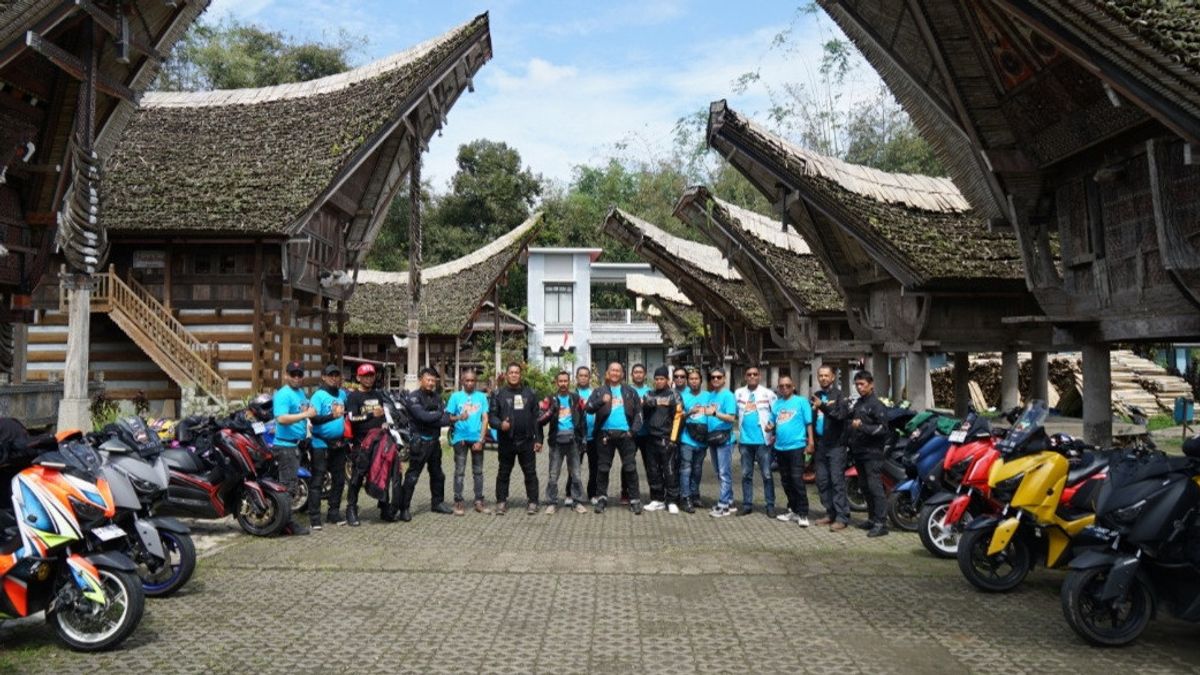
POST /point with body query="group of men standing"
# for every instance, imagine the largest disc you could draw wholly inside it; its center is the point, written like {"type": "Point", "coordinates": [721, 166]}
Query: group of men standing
{"type": "Point", "coordinates": [673, 422]}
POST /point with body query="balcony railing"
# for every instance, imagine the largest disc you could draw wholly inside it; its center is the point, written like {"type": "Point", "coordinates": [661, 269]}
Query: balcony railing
{"type": "Point", "coordinates": [620, 316]}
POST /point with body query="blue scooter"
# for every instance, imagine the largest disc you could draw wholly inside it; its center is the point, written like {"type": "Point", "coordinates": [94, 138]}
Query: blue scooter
{"type": "Point", "coordinates": [924, 470]}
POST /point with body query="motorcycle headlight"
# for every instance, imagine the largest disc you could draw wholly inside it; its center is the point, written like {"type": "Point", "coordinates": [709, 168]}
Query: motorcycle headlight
{"type": "Point", "coordinates": [143, 487]}
{"type": "Point", "coordinates": [85, 511]}
{"type": "Point", "coordinates": [1127, 515]}
{"type": "Point", "coordinates": [1005, 489]}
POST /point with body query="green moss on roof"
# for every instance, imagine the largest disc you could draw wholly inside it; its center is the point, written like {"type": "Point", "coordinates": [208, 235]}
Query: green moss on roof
{"type": "Point", "coordinates": [254, 167]}
{"type": "Point", "coordinates": [1172, 26]}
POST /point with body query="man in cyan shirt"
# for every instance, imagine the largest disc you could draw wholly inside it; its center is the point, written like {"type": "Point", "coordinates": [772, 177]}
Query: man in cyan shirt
{"type": "Point", "coordinates": [618, 417]}
{"type": "Point", "coordinates": [292, 413]}
{"type": "Point", "coordinates": [692, 448]}
{"type": "Point", "coordinates": [637, 376]}
{"type": "Point", "coordinates": [566, 427]}
{"type": "Point", "coordinates": [791, 420]}
{"type": "Point", "coordinates": [754, 412]}
{"type": "Point", "coordinates": [328, 447]}
{"type": "Point", "coordinates": [468, 410]}
{"type": "Point", "coordinates": [722, 413]}
{"type": "Point", "coordinates": [583, 387]}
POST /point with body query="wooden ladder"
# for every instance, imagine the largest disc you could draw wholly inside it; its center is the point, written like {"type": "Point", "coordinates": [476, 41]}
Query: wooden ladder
{"type": "Point", "coordinates": [185, 359]}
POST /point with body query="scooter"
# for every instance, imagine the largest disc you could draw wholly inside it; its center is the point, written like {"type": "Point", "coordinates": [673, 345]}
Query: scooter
{"type": "Point", "coordinates": [161, 546]}
{"type": "Point", "coordinates": [1148, 524]}
{"type": "Point", "coordinates": [996, 553]}
{"type": "Point", "coordinates": [219, 469]}
{"type": "Point", "coordinates": [893, 464]}
{"type": "Point", "coordinates": [924, 471]}
{"type": "Point", "coordinates": [93, 599]}
{"type": "Point", "coordinates": [966, 467]}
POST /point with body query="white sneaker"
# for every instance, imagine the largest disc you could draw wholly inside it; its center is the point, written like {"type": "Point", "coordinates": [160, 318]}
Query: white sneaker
{"type": "Point", "coordinates": [720, 511]}
{"type": "Point", "coordinates": [802, 521]}
{"type": "Point", "coordinates": [595, 500]}
{"type": "Point", "coordinates": [786, 517]}
{"type": "Point", "coordinates": [672, 509]}
{"type": "Point", "coordinates": [655, 506]}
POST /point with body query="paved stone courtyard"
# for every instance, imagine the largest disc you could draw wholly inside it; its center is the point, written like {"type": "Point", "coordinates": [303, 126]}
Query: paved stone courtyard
{"type": "Point", "coordinates": [585, 593]}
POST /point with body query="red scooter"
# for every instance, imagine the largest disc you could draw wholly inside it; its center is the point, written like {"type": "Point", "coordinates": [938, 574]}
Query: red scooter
{"type": "Point", "coordinates": [220, 469]}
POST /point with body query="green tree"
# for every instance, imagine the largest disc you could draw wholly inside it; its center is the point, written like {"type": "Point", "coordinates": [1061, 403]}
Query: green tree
{"type": "Point", "coordinates": [233, 55]}
{"type": "Point", "coordinates": [490, 192]}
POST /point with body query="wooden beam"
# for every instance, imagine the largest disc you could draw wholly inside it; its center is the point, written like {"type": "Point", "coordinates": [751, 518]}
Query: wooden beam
{"type": "Point", "coordinates": [74, 66]}
{"type": "Point", "coordinates": [14, 49]}
{"type": "Point", "coordinates": [119, 29]}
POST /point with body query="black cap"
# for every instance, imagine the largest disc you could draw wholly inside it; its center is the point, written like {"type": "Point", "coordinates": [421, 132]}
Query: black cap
{"type": "Point", "coordinates": [294, 367]}
{"type": "Point", "coordinates": [332, 369]}
{"type": "Point", "coordinates": [662, 371]}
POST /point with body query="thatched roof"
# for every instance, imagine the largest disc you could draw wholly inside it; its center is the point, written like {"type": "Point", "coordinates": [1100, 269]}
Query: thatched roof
{"type": "Point", "coordinates": [781, 257]}
{"type": "Point", "coordinates": [254, 161]}
{"type": "Point", "coordinates": [919, 228]}
{"type": "Point", "coordinates": [698, 269]}
{"type": "Point", "coordinates": [676, 315]}
{"type": "Point", "coordinates": [451, 293]}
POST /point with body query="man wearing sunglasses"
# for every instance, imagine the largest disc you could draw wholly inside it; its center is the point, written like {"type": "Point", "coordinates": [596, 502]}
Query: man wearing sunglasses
{"type": "Point", "coordinates": [722, 413]}
{"type": "Point", "coordinates": [679, 380]}
{"type": "Point", "coordinates": [791, 420]}
{"type": "Point", "coordinates": [618, 410]}
{"type": "Point", "coordinates": [754, 405]}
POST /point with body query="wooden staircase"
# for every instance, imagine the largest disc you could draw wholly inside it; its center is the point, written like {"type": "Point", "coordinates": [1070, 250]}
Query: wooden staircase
{"type": "Point", "coordinates": [185, 359]}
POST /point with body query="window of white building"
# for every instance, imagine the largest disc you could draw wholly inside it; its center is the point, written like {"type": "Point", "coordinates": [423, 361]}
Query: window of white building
{"type": "Point", "coordinates": [560, 303]}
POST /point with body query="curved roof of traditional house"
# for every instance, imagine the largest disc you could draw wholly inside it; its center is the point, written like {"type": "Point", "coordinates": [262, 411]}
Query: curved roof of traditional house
{"type": "Point", "coordinates": [451, 293]}
{"type": "Point", "coordinates": [254, 161]}
{"type": "Point", "coordinates": [704, 275]}
{"type": "Point", "coordinates": [788, 260]}
{"type": "Point", "coordinates": [920, 228]}
{"type": "Point", "coordinates": [678, 318]}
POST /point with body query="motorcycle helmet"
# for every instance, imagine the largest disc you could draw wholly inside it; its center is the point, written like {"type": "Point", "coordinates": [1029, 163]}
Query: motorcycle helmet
{"type": "Point", "coordinates": [262, 408]}
{"type": "Point", "coordinates": [135, 434]}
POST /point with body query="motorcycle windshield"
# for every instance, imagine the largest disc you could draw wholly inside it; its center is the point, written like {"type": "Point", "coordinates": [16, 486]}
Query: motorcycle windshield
{"type": "Point", "coordinates": [1029, 425]}
{"type": "Point", "coordinates": [81, 457]}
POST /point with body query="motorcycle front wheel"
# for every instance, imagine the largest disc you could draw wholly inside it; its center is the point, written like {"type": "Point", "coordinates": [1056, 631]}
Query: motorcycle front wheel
{"type": "Point", "coordinates": [855, 494]}
{"type": "Point", "coordinates": [171, 574]}
{"type": "Point", "coordinates": [1105, 623]}
{"type": "Point", "coordinates": [940, 539]}
{"type": "Point", "coordinates": [87, 626]}
{"type": "Point", "coordinates": [271, 520]}
{"type": "Point", "coordinates": [997, 573]}
{"type": "Point", "coordinates": [902, 511]}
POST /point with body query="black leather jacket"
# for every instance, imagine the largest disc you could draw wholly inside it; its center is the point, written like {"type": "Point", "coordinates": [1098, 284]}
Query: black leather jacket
{"type": "Point", "coordinates": [869, 438]}
{"type": "Point", "coordinates": [629, 399]}
{"type": "Point", "coordinates": [837, 410]}
{"type": "Point", "coordinates": [518, 406]}
{"type": "Point", "coordinates": [360, 407]}
{"type": "Point", "coordinates": [578, 419]}
{"type": "Point", "coordinates": [426, 414]}
{"type": "Point", "coordinates": [660, 411]}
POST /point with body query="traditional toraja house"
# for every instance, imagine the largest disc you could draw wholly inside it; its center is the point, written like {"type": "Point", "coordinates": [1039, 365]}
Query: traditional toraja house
{"type": "Point", "coordinates": [239, 217]}
{"type": "Point", "coordinates": [452, 297]}
{"type": "Point", "coordinates": [1073, 120]}
{"type": "Point", "coordinates": [920, 271]}
{"type": "Point", "coordinates": [735, 320]}
{"type": "Point", "coordinates": [682, 325]}
{"type": "Point", "coordinates": [808, 313]}
{"type": "Point", "coordinates": [70, 77]}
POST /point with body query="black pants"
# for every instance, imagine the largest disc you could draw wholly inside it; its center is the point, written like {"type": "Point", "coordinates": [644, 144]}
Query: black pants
{"type": "Point", "coordinates": [512, 452]}
{"type": "Point", "coordinates": [360, 463]}
{"type": "Point", "coordinates": [424, 454]}
{"type": "Point", "coordinates": [333, 460]}
{"type": "Point", "coordinates": [643, 444]}
{"type": "Point", "coordinates": [831, 482]}
{"type": "Point", "coordinates": [870, 475]}
{"type": "Point", "coordinates": [791, 474]}
{"type": "Point", "coordinates": [661, 458]}
{"type": "Point", "coordinates": [591, 451]}
{"type": "Point", "coordinates": [612, 444]}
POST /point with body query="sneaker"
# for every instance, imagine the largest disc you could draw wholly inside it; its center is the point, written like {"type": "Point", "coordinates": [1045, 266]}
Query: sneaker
{"type": "Point", "coordinates": [786, 517]}
{"type": "Point", "coordinates": [314, 522]}
{"type": "Point", "coordinates": [867, 525]}
{"type": "Point", "coordinates": [480, 508]}
{"type": "Point", "coordinates": [837, 527]}
{"type": "Point", "coordinates": [334, 517]}
{"type": "Point", "coordinates": [460, 509]}
{"type": "Point", "coordinates": [601, 503]}
{"type": "Point", "coordinates": [688, 505]}
{"type": "Point", "coordinates": [501, 508]}
{"type": "Point", "coordinates": [802, 521]}
{"type": "Point", "coordinates": [655, 506]}
{"type": "Point", "coordinates": [568, 503]}
{"type": "Point", "coordinates": [550, 509]}
{"type": "Point", "coordinates": [697, 501]}
{"type": "Point", "coordinates": [636, 507]}
{"type": "Point", "coordinates": [745, 510]}
{"type": "Point", "coordinates": [532, 509]}
{"type": "Point", "coordinates": [595, 500]}
{"type": "Point", "coordinates": [672, 509]}
{"type": "Point", "coordinates": [352, 516]}
{"type": "Point", "coordinates": [880, 531]}
{"type": "Point", "coordinates": [822, 522]}
{"type": "Point", "coordinates": [719, 511]}
{"type": "Point", "coordinates": [580, 508]}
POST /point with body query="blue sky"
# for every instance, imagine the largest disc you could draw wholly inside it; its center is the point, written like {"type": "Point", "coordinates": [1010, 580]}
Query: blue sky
{"type": "Point", "coordinates": [571, 79]}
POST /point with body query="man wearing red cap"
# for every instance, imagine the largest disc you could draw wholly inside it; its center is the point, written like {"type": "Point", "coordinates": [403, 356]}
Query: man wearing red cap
{"type": "Point", "coordinates": [364, 407]}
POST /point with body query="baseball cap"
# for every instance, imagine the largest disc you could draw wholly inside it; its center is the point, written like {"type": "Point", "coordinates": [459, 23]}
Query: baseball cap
{"type": "Point", "coordinates": [294, 367]}
{"type": "Point", "coordinates": [366, 369]}
{"type": "Point", "coordinates": [332, 369]}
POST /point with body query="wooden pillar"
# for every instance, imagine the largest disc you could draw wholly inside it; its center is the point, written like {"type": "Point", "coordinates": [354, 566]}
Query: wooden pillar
{"type": "Point", "coordinates": [879, 368]}
{"type": "Point", "coordinates": [287, 317]}
{"type": "Point", "coordinates": [1010, 372]}
{"type": "Point", "coordinates": [899, 378]}
{"type": "Point", "coordinates": [1039, 381]}
{"type": "Point", "coordinates": [20, 356]}
{"type": "Point", "coordinates": [917, 376]}
{"type": "Point", "coordinates": [848, 379]}
{"type": "Point", "coordinates": [414, 259]}
{"type": "Point", "coordinates": [259, 356]}
{"type": "Point", "coordinates": [457, 361]}
{"type": "Point", "coordinates": [496, 328]}
{"type": "Point", "coordinates": [168, 276]}
{"type": "Point", "coordinates": [341, 333]}
{"type": "Point", "coordinates": [1097, 394]}
{"type": "Point", "coordinates": [962, 378]}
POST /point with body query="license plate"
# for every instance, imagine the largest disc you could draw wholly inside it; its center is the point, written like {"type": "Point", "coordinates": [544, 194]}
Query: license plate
{"type": "Point", "coordinates": [958, 436]}
{"type": "Point", "coordinates": [108, 532]}
{"type": "Point", "coordinates": [259, 427]}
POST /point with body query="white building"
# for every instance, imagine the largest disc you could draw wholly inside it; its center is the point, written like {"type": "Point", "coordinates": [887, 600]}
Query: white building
{"type": "Point", "coordinates": [568, 331]}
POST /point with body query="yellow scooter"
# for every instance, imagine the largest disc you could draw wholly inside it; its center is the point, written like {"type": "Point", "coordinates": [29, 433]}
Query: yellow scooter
{"type": "Point", "coordinates": [1049, 502]}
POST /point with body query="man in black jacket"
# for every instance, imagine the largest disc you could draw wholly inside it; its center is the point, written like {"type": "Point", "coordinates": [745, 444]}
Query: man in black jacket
{"type": "Point", "coordinates": [662, 414]}
{"type": "Point", "coordinates": [866, 435]}
{"type": "Point", "coordinates": [513, 413]}
{"type": "Point", "coordinates": [427, 415]}
{"type": "Point", "coordinates": [830, 453]}
{"type": "Point", "coordinates": [567, 426]}
{"type": "Point", "coordinates": [364, 407]}
{"type": "Point", "coordinates": [618, 412]}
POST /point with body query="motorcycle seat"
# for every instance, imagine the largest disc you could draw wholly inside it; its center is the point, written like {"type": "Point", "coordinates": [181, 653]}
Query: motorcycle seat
{"type": "Point", "coordinates": [183, 461]}
{"type": "Point", "coordinates": [1089, 464]}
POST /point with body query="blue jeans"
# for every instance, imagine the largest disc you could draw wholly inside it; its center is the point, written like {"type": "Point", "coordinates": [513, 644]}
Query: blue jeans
{"type": "Point", "coordinates": [762, 455]}
{"type": "Point", "coordinates": [691, 467]}
{"type": "Point", "coordinates": [722, 459]}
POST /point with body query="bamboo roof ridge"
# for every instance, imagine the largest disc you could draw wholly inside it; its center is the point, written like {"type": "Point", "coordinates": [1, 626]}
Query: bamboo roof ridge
{"type": "Point", "coordinates": [650, 286]}
{"type": "Point", "coordinates": [707, 258]}
{"type": "Point", "coordinates": [451, 293]}
{"type": "Point", "coordinates": [253, 161]}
